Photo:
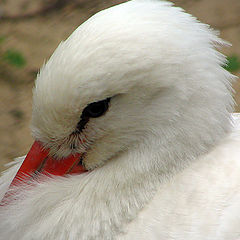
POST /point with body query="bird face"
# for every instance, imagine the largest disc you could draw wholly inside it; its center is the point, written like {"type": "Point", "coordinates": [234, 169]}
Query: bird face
{"type": "Point", "coordinates": [110, 69]}
{"type": "Point", "coordinates": [127, 75]}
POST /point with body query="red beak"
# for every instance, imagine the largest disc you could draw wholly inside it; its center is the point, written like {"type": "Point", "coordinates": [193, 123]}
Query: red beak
{"type": "Point", "coordinates": [38, 161]}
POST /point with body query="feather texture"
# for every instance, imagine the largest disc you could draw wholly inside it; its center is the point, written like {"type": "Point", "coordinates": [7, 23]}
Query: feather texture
{"type": "Point", "coordinates": [163, 161]}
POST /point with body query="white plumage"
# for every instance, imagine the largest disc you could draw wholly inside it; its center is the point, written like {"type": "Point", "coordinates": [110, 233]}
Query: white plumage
{"type": "Point", "coordinates": [163, 161]}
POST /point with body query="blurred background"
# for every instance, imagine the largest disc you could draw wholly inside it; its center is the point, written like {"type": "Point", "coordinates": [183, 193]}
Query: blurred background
{"type": "Point", "coordinates": [30, 30]}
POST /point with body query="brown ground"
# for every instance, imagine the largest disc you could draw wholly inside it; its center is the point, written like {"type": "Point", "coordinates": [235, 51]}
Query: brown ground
{"type": "Point", "coordinates": [36, 35]}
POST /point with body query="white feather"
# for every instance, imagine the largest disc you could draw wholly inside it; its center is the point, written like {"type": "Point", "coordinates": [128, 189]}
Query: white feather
{"type": "Point", "coordinates": [164, 158]}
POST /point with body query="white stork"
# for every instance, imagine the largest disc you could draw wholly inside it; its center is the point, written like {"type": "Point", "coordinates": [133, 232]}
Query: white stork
{"type": "Point", "coordinates": [134, 137]}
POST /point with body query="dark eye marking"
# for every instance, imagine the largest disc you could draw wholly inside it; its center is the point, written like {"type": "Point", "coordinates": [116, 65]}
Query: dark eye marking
{"type": "Point", "coordinates": [93, 110]}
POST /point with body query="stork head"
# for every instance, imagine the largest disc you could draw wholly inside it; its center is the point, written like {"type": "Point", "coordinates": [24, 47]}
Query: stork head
{"type": "Point", "coordinates": [141, 73]}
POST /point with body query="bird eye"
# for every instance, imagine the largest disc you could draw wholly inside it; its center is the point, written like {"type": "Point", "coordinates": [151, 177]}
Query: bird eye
{"type": "Point", "coordinates": [96, 109]}
{"type": "Point", "coordinates": [93, 110]}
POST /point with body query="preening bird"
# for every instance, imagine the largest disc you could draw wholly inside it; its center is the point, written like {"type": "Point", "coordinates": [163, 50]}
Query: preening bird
{"type": "Point", "coordinates": [134, 136]}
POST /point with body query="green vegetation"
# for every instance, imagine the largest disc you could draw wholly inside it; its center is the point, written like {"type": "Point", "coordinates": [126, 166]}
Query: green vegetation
{"type": "Point", "coordinates": [14, 58]}
{"type": "Point", "coordinates": [11, 56]}
{"type": "Point", "coordinates": [233, 64]}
